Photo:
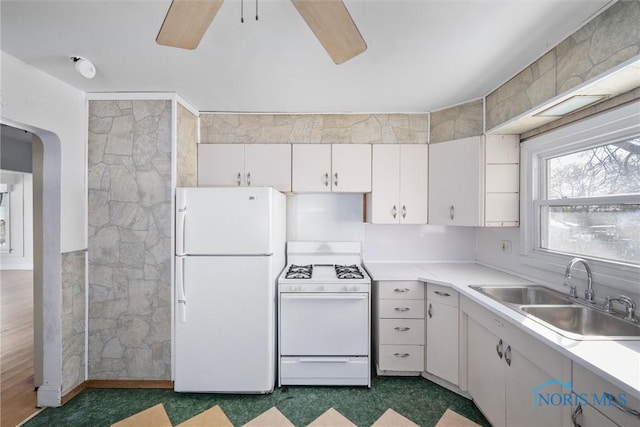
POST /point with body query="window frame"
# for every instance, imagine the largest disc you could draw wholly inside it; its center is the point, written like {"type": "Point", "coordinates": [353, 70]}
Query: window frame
{"type": "Point", "coordinates": [612, 125]}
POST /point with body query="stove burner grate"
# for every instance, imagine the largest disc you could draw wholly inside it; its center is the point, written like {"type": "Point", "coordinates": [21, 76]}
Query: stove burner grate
{"type": "Point", "coordinates": [299, 272]}
{"type": "Point", "coordinates": [348, 272]}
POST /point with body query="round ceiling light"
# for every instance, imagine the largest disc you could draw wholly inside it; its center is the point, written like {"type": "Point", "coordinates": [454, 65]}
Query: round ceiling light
{"type": "Point", "coordinates": [84, 67]}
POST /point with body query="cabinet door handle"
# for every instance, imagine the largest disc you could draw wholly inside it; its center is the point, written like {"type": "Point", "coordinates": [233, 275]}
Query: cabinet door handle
{"type": "Point", "coordinates": [401, 354]}
{"type": "Point", "coordinates": [507, 355]}
{"type": "Point", "coordinates": [403, 290]}
{"type": "Point", "coordinates": [430, 311]}
{"type": "Point", "coordinates": [452, 212]}
{"type": "Point", "coordinates": [326, 179]}
{"type": "Point", "coordinates": [574, 416]}
{"type": "Point", "coordinates": [394, 212]}
{"type": "Point", "coordinates": [442, 294]}
{"type": "Point", "coordinates": [335, 181]}
{"type": "Point", "coordinates": [239, 179]}
{"type": "Point", "coordinates": [402, 309]}
{"type": "Point", "coordinates": [499, 349]}
{"type": "Point", "coordinates": [623, 408]}
{"type": "Point", "coordinates": [402, 328]}
{"type": "Point", "coordinates": [404, 211]}
{"type": "Point", "coordinates": [248, 179]}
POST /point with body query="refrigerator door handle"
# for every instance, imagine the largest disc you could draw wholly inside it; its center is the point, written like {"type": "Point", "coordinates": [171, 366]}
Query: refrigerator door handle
{"type": "Point", "coordinates": [181, 290]}
{"type": "Point", "coordinates": [182, 219]}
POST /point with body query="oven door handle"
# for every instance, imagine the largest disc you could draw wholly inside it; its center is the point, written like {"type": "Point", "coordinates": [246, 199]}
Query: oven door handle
{"type": "Point", "coordinates": [324, 360]}
{"type": "Point", "coordinates": [320, 295]}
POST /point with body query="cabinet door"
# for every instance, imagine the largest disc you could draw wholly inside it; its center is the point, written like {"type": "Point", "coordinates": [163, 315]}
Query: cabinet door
{"type": "Point", "coordinates": [220, 165]}
{"type": "Point", "coordinates": [486, 372]}
{"type": "Point", "coordinates": [413, 183]}
{"type": "Point", "coordinates": [385, 184]}
{"type": "Point", "coordinates": [268, 165]}
{"type": "Point", "coordinates": [311, 169]}
{"type": "Point", "coordinates": [442, 341]}
{"type": "Point", "coordinates": [455, 183]}
{"type": "Point", "coordinates": [523, 376]}
{"type": "Point", "coordinates": [351, 168]}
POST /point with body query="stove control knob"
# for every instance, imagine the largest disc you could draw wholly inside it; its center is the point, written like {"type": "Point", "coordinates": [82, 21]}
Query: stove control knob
{"type": "Point", "coordinates": [296, 288]}
{"type": "Point", "coordinates": [324, 288]}
{"type": "Point", "coordinates": [355, 288]}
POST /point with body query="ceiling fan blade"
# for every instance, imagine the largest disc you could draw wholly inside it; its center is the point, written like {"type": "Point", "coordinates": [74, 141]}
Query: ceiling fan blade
{"type": "Point", "coordinates": [332, 25]}
{"type": "Point", "coordinates": [186, 22]}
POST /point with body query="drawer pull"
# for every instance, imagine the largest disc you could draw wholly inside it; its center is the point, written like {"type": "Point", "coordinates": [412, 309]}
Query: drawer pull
{"type": "Point", "coordinates": [401, 354]}
{"type": "Point", "coordinates": [401, 290]}
{"type": "Point", "coordinates": [442, 294]}
{"type": "Point", "coordinates": [402, 309]}
{"type": "Point", "coordinates": [499, 349]}
{"type": "Point", "coordinates": [507, 355]}
{"type": "Point", "coordinates": [430, 312]}
{"type": "Point", "coordinates": [623, 408]}
{"type": "Point", "coordinates": [401, 328]}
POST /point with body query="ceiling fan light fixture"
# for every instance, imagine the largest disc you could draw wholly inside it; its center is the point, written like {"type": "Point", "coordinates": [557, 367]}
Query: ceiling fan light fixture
{"type": "Point", "coordinates": [84, 67]}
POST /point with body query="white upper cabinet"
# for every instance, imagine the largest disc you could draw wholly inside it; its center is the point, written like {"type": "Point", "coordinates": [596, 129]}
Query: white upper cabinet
{"type": "Point", "coordinates": [342, 168]}
{"type": "Point", "coordinates": [399, 184]}
{"type": "Point", "coordinates": [475, 181]}
{"type": "Point", "coordinates": [455, 182]}
{"type": "Point", "coordinates": [257, 165]}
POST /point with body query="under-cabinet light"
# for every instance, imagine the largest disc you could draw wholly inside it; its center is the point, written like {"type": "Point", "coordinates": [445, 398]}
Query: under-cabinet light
{"type": "Point", "coordinates": [570, 105]}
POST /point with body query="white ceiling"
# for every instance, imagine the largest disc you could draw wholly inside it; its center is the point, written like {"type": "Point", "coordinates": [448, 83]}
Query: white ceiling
{"type": "Point", "coordinates": [422, 55]}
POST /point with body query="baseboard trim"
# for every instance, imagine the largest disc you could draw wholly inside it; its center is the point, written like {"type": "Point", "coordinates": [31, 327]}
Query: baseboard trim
{"type": "Point", "coordinates": [129, 384]}
{"type": "Point", "coordinates": [164, 384]}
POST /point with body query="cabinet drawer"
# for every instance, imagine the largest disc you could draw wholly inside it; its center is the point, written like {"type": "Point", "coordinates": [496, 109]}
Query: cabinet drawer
{"type": "Point", "coordinates": [442, 294]}
{"type": "Point", "coordinates": [401, 358]}
{"type": "Point", "coordinates": [401, 309]}
{"type": "Point", "coordinates": [401, 289]}
{"type": "Point", "coordinates": [586, 382]}
{"type": "Point", "coordinates": [401, 331]}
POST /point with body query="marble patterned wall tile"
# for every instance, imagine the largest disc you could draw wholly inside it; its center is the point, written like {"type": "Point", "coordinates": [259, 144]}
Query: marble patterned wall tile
{"type": "Point", "coordinates": [187, 148]}
{"type": "Point", "coordinates": [608, 40]}
{"type": "Point", "coordinates": [314, 128]}
{"type": "Point", "coordinates": [531, 87]}
{"type": "Point", "coordinates": [129, 239]}
{"type": "Point", "coordinates": [457, 122]}
{"type": "Point", "coordinates": [73, 319]}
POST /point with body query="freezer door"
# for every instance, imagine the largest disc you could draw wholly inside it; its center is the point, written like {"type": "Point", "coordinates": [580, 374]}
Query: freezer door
{"type": "Point", "coordinates": [224, 325]}
{"type": "Point", "coordinates": [224, 221]}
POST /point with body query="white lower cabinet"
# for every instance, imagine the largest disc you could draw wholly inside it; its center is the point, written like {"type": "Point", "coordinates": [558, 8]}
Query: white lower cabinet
{"type": "Point", "coordinates": [507, 367]}
{"type": "Point", "coordinates": [442, 332]}
{"type": "Point", "coordinates": [398, 309]}
{"type": "Point", "coordinates": [600, 403]}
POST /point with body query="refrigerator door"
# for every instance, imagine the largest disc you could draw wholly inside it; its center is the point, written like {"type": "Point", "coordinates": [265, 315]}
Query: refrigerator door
{"type": "Point", "coordinates": [224, 221]}
{"type": "Point", "coordinates": [225, 324]}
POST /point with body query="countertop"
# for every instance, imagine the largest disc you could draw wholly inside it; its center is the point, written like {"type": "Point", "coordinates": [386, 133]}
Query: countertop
{"type": "Point", "coordinates": [616, 361]}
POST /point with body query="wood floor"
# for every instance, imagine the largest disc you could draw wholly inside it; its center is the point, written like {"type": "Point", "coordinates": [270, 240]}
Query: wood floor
{"type": "Point", "coordinates": [17, 394]}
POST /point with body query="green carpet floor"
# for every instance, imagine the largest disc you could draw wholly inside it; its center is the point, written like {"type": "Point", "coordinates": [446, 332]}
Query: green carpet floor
{"type": "Point", "coordinates": [420, 400]}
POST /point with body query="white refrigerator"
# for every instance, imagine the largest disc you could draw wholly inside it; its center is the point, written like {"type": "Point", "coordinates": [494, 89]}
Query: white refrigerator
{"type": "Point", "coordinates": [230, 249]}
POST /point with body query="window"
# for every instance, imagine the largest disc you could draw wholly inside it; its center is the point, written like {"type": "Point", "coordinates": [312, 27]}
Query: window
{"type": "Point", "coordinates": [590, 202]}
{"type": "Point", "coordinates": [580, 196]}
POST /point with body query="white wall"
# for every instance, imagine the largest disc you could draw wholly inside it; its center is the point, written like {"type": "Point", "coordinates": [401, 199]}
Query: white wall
{"type": "Point", "coordinates": [37, 100]}
{"type": "Point", "coordinates": [426, 243]}
{"type": "Point", "coordinates": [21, 207]}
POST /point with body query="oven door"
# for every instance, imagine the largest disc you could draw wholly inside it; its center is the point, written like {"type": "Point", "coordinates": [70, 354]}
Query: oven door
{"type": "Point", "coordinates": [324, 324]}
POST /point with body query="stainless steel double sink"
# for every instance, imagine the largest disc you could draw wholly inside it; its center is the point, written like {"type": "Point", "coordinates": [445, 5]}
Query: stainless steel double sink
{"type": "Point", "coordinates": [561, 313]}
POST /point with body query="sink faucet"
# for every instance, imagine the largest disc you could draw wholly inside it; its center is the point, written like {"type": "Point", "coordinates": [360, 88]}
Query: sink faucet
{"type": "Point", "coordinates": [589, 294]}
{"type": "Point", "coordinates": [629, 304]}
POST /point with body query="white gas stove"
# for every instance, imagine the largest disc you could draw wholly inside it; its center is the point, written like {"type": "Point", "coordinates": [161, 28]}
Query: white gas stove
{"type": "Point", "coordinates": [324, 315]}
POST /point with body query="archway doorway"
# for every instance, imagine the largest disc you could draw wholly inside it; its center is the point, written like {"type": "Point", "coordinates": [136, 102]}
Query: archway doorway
{"type": "Point", "coordinates": [47, 288]}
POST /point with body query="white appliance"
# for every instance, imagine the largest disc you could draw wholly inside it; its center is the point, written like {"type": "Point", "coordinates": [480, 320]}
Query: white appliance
{"type": "Point", "coordinates": [230, 248]}
{"type": "Point", "coordinates": [324, 315]}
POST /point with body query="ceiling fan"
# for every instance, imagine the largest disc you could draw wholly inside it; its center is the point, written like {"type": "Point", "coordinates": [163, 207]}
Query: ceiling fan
{"type": "Point", "coordinates": [188, 20]}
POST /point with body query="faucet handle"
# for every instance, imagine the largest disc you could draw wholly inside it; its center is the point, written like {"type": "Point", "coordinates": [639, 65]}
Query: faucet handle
{"type": "Point", "coordinates": [608, 305]}
{"type": "Point", "coordinates": [573, 293]}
